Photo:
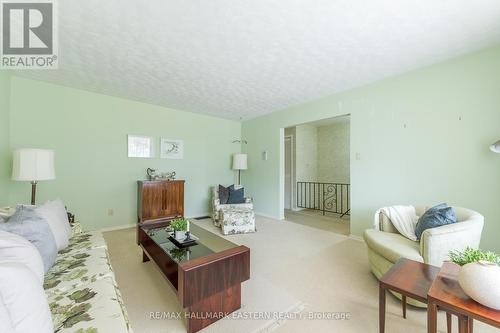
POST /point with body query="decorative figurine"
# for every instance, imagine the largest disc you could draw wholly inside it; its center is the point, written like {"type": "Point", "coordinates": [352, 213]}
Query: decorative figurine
{"type": "Point", "coordinates": [151, 173]}
{"type": "Point", "coordinates": [154, 175]}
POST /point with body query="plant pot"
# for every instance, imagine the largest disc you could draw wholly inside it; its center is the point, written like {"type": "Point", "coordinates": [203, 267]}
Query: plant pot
{"type": "Point", "coordinates": [180, 234]}
{"type": "Point", "coordinates": [480, 281]}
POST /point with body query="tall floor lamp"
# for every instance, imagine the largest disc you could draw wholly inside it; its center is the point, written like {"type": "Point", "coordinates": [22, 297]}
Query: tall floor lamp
{"type": "Point", "coordinates": [240, 163]}
{"type": "Point", "coordinates": [33, 165]}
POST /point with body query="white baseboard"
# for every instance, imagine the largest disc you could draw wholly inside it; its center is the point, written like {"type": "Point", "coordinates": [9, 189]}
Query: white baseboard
{"type": "Point", "coordinates": [356, 238]}
{"type": "Point", "coordinates": [118, 227]}
{"type": "Point", "coordinates": [268, 216]}
{"type": "Point", "coordinates": [199, 215]}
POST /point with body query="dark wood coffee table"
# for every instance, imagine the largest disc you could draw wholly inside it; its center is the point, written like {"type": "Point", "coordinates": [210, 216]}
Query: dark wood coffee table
{"type": "Point", "coordinates": [410, 279]}
{"type": "Point", "coordinates": [207, 282]}
{"type": "Point", "coordinates": [446, 293]}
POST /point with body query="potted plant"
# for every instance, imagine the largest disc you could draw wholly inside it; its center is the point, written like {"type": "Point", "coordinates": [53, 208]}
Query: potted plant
{"type": "Point", "coordinates": [479, 275]}
{"type": "Point", "coordinates": [180, 227]}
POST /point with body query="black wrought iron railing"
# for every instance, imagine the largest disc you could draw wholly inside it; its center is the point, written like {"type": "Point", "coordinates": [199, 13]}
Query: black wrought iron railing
{"type": "Point", "coordinates": [326, 197]}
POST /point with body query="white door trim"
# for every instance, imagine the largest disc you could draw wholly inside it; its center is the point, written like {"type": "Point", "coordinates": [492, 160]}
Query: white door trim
{"type": "Point", "coordinates": [292, 171]}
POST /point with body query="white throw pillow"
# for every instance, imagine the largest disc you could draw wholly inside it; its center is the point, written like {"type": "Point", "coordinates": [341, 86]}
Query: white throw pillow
{"type": "Point", "coordinates": [55, 215]}
{"type": "Point", "coordinates": [5, 322]}
{"type": "Point", "coordinates": [24, 299]}
{"type": "Point", "coordinates": [14, 248]}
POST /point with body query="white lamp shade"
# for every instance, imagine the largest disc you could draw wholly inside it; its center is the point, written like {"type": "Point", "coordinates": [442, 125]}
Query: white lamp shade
{"type": "Point", "coordinates": [33, 165]}
{"type": "Point", "coordinates": [495, 147]}
{"type": "Point", "coordinates": [240, 162]}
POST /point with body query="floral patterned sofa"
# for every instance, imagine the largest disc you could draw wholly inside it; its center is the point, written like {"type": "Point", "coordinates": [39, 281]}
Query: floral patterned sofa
{"type": "Point", "coordinates": [81, 289]}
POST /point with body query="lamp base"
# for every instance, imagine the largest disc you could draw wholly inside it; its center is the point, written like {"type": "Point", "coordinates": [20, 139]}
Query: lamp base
{"type": "Point", "coordinates": [33, 192]}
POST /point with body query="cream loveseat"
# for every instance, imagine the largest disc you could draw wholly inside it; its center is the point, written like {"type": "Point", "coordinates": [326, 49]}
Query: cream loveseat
{"type": "Point", "coordinates": [386, 245]}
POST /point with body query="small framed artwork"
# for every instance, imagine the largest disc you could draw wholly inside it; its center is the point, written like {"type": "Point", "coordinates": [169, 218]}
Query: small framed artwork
{"type": "Point", "coordinates": [140, 146]}
{"type": "Point", "coordinates": [171, 148]}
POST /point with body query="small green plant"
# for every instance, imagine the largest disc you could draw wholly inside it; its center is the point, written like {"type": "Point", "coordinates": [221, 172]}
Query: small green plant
{"type": "Point", "coordinates": [179, 224]}
{"type": "Point", "coordinates": [473, 255]}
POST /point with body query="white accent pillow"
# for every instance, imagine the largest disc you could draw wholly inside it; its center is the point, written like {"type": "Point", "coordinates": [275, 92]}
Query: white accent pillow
{"type": "Point", "coordinates": [6, 323]}
{"type": "Point", "coordinates": [24, 299]}
{"type": "Point", "coordinates": [14, 248]}
{"type": "Point", "coordinates": [55, 215]}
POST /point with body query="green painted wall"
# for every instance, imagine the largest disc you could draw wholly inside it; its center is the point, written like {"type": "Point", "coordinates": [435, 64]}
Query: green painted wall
{"type": "Point", "coordinates": [422, 138]}
{"type": "Point", "coordinates": [4, 137]}
{"type": "Point", "coordinates": [88, 132]}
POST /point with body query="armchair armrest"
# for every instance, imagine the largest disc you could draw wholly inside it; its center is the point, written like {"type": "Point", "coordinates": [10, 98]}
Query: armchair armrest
{"type": "Point", "coordinates": [436, 243]}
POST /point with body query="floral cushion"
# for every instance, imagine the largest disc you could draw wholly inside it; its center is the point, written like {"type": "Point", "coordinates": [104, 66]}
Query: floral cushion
{"type": "Point", "coordinates": [77, 268]}
{"type": "Point", "coordinates": [92, 308]}
{"type": "Point", "coordinates": [84, 241]}
{"type": "Point", "coordinates": [76, 228]}
{"type": "Point", "coordinates": [81, 288]}
{"type": "Point", "coordinates": [237, 220]}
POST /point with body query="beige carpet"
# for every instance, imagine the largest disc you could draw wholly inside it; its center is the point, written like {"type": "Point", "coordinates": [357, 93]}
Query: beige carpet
{"type": "Point", "coordinates": [326, 271]}
{"type": "Point", "coordinates": [316, 219]}
{"type": "Point", "coordinates": [145, 291]}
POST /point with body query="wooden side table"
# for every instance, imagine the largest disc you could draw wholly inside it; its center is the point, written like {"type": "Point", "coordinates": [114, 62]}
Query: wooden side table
{"type": "Point", "coordinates": [410, 279]}
{"type": "Point", "coordinates": [446, 293]}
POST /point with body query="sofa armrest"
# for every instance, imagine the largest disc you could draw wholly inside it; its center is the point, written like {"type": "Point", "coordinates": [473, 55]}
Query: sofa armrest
{"type": "Point", "coordinates": [436, 243]}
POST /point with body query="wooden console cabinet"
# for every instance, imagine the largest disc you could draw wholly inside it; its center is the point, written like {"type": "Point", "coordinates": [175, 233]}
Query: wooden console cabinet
{"type": "Point", "coordinates": [159, 200]}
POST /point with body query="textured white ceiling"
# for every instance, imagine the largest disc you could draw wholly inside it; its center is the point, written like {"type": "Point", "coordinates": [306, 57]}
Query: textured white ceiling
{"type": "Point", "coordinates": [240, 59]}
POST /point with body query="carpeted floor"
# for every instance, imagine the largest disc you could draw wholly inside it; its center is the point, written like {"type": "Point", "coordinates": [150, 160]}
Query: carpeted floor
{"type": "Point", "coordinates": [291, 264]}
{"type": "Point", "coordinates": [315, 219]}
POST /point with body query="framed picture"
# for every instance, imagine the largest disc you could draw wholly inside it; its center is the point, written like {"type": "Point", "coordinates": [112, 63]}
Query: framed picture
{"type": "Point", "coordinates": [140, 146]}
{"type": "Point", "coordinates": [171, 148]}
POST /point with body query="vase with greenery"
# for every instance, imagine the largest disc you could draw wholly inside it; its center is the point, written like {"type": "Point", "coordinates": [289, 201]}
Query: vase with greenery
{"type": "Point", "coordinates": [179, 226]}
{"type": "Point", "coordinates": [479, 275]}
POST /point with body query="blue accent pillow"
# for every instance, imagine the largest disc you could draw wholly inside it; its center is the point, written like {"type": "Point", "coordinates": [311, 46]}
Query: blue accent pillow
{"type": "Point", "coordinates": [236, 196]}
{"type": "Point", "coordinates": [435, 217]}
{"type": "Point", "coordinates": [28, 224]}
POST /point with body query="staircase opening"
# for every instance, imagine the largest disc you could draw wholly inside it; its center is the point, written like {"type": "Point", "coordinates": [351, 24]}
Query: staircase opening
{"type": "Point", "coordinates": [317, 190]}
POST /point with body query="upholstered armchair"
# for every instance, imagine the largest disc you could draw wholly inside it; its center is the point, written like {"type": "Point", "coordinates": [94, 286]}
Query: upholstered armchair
{"type": "Point", "coordinates": [386, 245]}
{"type": "Point", "coordinates": [217, 207]}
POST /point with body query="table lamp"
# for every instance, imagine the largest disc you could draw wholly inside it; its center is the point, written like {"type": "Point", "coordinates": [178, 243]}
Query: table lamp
{"type": "Point", "coordinates": [239, 163]}
{"type": "Point", "coordinates": [33, 165]}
